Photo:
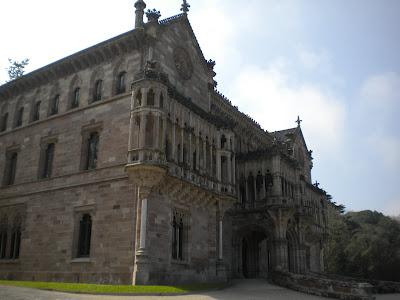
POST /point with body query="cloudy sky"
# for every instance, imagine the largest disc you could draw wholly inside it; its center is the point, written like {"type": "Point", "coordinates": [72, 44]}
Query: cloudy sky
{"type": "Point", "coordinates": [335, 63]}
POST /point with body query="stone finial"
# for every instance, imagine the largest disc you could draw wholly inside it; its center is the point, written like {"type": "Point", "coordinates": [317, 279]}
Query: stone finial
{"type": "Point", "coordinates": [153, 15]}
{"type": "Point", "coordinates": [140, 6]}
{"type": "Point", "coordinates": [211, 64]}
{"type": "Point", "coordinates": [185, 7]}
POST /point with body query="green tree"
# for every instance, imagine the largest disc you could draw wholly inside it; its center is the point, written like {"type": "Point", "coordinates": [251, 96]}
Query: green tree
{"type": "Point", "coordinates": [364, 244]}
{"type": "Point", "coordinates": [16, 68]}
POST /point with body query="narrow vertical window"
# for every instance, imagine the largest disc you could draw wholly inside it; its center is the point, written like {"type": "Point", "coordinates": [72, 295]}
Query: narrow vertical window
{"type": "Point", "coordinates": [92, 150]}
{"type": "Point", "coordinates": [3, 243]}
{"type": "Point", "coordinates": [36, 111]}
{"type": "Point", "coordinates": [48, 161]}
{"type": "Point", "coordinates": [161, 101]}
{"type": "Point", "coordinates": [20, 116]}
{"type": "Point", "coordinates": [75, 98]}
{"type": "Point", "coordinates": [98, 90]}
{"type": "Point", "coordinates": [85, 232]}
{"type": "Point", "coordinates": [11, 168]}
{"type": "Point", "coordinates": [15, 243]}
{"type": "Point", "coordinates": [150, 97]}
{"type": "Point", "coordinates": [54, 105]}
{"type": "Point", "coordinates": [4, 121]}
{"type": "Point", "coordinates": [178, 237]}
{"type": "Point", "coordinates": [121, 83]}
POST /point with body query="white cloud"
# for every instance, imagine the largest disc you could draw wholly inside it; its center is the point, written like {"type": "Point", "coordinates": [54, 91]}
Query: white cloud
{"type": "Point", "coordinates": [267, 95]}
{"type": "Point", "coordinates": [381, 91]}
{"type": "Point", "coordinates": [388, 149]}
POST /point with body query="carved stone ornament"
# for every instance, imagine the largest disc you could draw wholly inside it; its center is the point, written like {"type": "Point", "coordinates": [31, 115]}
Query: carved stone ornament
{"type": "Point", "coordinates": [183, 63]}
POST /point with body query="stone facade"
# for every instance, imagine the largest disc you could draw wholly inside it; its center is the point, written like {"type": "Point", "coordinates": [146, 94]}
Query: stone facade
{"type": "Point", "coordinates": [152, 175]}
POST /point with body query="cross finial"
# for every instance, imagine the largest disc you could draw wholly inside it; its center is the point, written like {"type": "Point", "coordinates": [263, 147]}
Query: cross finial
{"type": "Point", "coordinates": [298, 121]}
{"type": "Point", "coordinates": [185, 7]}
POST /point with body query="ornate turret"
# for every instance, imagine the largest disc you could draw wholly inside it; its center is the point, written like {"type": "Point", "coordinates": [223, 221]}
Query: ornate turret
{"type": "Point", "coordinates": [140, 6]}
{"type": "Point", "coordinates": [153, 15]}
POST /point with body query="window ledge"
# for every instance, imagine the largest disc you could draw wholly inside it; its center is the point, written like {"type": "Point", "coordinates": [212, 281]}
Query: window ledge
{"type": "Point", "coordinates": [81, 260]}
{"type": "Point", "coordinates": [9, 261]}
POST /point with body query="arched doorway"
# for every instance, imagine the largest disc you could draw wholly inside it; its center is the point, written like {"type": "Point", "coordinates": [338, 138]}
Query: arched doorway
{"type": "Point", "coordinates": [255, 255]}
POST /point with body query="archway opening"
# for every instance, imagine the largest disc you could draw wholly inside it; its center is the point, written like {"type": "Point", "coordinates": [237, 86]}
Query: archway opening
{"type": "Point", "coordinates": [255, 255]}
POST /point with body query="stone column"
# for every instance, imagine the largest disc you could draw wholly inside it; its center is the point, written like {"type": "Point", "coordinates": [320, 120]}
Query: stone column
{"type": "Point", "coordinates": [182, 143]}
{"type": "Point", "coordinates": [190, 154]}
{"type": "Point", "coordinates": [220, 252]}
{"type": "Point", "coordinates": [204, 155]}
{"type": "Point", "coordinates": [276, 188]}
{"type": "Point", "coordinates": [234, 169]}
{"type": "Point", "coordinates": [229, 167]}
{"type": "Point", "coordinates": [157, 132]}
{"type": "Point", "coordinates": [218, 159]}
{"type": "Point", "coordinates": [211, 158]}
{"type": "Point", "coordinates": [197, 153]}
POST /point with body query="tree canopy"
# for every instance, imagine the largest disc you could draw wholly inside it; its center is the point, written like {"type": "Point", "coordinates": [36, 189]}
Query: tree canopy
{"type": "Point", "coordinates": [364, 244]}
{"type": "Point", "coordinates": [16, 68]}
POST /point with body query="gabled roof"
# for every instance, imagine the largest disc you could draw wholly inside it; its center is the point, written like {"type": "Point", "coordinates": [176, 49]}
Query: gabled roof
{"type": "Point", "coordinates": [283, 135]}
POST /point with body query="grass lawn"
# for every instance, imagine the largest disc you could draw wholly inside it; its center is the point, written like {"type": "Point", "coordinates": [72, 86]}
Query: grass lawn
{"type": "Point", "coordinates": [111, 289]}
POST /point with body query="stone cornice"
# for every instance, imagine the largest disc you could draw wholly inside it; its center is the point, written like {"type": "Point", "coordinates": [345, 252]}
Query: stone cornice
{"type": "Point", "coordinates": [86, 58]}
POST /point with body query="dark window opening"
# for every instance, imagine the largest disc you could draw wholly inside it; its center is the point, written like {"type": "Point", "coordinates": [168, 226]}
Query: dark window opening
{"type": "Point", "coordinates": [3, 244]}
{"type": "Point", "coordinates": [54, 105]}
{"type": "Point", "coordinates": [15, 244]}
{"type": "Point", "coordinates": [138, 99]}
{"type": "Point", "coordinates": [177, 238]}
{"type": "Point", "coordinates": [75, 98]}
{"type": "Point", "coordinates": [98, 91]}
{"type": "Point", "coordinates": [150, 97]}
{"type": "Point", "coordinates": [20, 117]}
{"type": "Point", "coordinates": [121, 83]}
{"type": "Point", "coordinates": [85, 232]}
{"type": "Point", "coordinates": [4, 121]}
{"type": "Point", "coordinates": [161, 101]}
{"type": "Point", "coordinates": [36, 111]}
{"type": "Point", "coordinates": [48, 161]}
{"type": "Point", "coordinates": [11, 168]}
{"type": "Point", "coordinates": [92, 151]}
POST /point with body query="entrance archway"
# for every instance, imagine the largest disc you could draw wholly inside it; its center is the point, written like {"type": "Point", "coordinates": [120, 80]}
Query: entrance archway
{"type": "Point", "coordinates": [255, 255]}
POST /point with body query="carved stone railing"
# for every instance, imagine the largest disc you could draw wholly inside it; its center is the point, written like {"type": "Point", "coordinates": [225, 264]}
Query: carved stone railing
{"type": "Point", "coordinates": [154, 156]}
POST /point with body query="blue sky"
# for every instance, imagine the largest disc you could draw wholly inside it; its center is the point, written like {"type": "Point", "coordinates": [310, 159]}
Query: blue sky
{"type": "Point", "coordinates": [334, 63]}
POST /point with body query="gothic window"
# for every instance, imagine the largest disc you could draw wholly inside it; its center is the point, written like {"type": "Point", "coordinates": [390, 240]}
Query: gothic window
{"type": "Point", "coordinates": [75, 98]}
{"type": "Point", "coordinates": [20, 116]}
{"type": "Point", "coordinates": [178, 153]}
{"type": "Point", "coordinates": [92, 151]}
{"type": "Point", "coordinates": [178, 236]}
{"type": "Point", "coordinates": [223, 141]}
{"type": "Point", "coordinates": [54, 105]}
{"type": "Point", "coordinates": [121, 83]}
{"type": "Point", "coordinates": [85, 232]}
{"type": "Point", "coordinates": [250, 187]}
{"type": "Point", "coordinates": [3, 238]}
{"type": "Point", "coordinates": [47, 165]}
{"type": "Point", "coordinates": [15, 240]}
{"type": "Point", "coordinates": [167, 149]}
{"type": "Point", "coordinates": [150, 98]}
{"type": "Point", "coordinates": [149, 131]}
{"type": "Point", "coordinates": [161, 101]}
{"type": "Point", "coordinates": [194, 160]}
{"type": "Point", "coordinates": [11, 168]}
{"type": "Point", "coordinates": [4, 121]}
{"type": "Point", "coordinates": [138, 99]}
{"type": "Point", "coordinates": [98, 90]}
{"type": "Point", "coordinates": [36, 111]}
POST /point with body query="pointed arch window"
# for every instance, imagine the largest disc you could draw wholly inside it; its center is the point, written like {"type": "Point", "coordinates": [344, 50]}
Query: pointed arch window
{"type": "Point", "coordinates": [85, 233]}
{"type": "Point", "coordinates": [3, 238]}
{"type": "Point", "coordinates": [75, 98]}
{"type": "Point", "coordinates": [54, 105]}
{"type": "Point", "coordinates": [121, 83]}
{"type": "Point", "coordinates": [98, 91]}
{"type": "Point", "coordinates": [20, 117]}
{"type": "Point", "coordinates": [92, 151]}
{"type": "Point", "coordinates": [138, 98]}
{"type": "Point", "coordinates": [11, 168]}
{"type": "Point", "coordinates": [48, 161]}
{"type": "Point", "coordinates": [161, 101]}
{"type": "Point", "coordinates": [178, 236]}
{"type": "Point", "coordinates": [36, 111]}
{"type": "Point", "coordinates": [4, 121]}
{"type": "Point", "coordinates": [150, 98]}
{"type": "Point", "coordinates": [15, 241]}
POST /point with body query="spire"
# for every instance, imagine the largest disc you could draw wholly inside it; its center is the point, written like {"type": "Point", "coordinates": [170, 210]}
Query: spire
{"type": "Point", "coordinates": [298, 121]}
{"type": "Point", "coordinates": [140, 6]}
{"type": "Point", "coordinates": [185, 7]}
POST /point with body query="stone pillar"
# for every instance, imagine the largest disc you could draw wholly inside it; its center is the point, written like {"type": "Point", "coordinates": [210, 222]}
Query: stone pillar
{"type": "Point", "coordinates": [204, 156]}
{"type": "Point", "coordinates": [143, 123]}
{"type": "Point", "coordinates": [211, 159]}
{"type": "Point", "coordinates": [157, 132]}
{"type": "Point", "coordinates": [218, 159]}
{"type": "Point", "coordinates": [234, 169]}
{"type": "Point", "coordinates": [220, 252]}
{"type": "Point", "coordinates": [276, 188]}
{"type": "Point", "coordinates": [190, 154]}
{"type": "Point", "coordinates": [229, 167]}
{"type": "Point", "coordinates": [281, 254]}
{"type": "Point", "coordinates": [197, 153]}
